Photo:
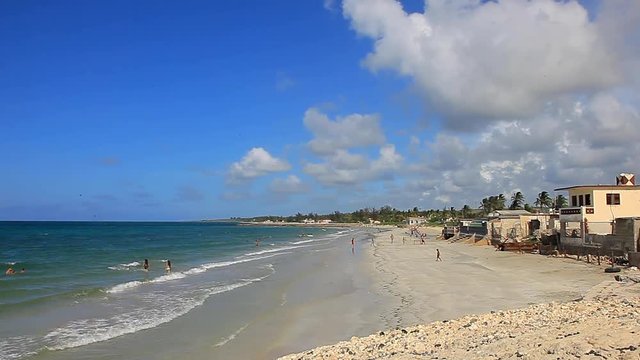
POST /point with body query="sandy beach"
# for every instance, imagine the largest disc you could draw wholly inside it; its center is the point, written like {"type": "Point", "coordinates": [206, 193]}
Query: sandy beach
{"type": "Point", "coordinates": [413, 289]}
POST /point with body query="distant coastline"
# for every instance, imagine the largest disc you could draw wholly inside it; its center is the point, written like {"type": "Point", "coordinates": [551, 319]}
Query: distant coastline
{"type": "Point", "coordinates": [299, 224]}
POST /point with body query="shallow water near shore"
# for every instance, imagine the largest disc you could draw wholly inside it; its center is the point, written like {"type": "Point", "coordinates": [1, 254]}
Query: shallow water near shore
{"type": "Point", "coordinates": [84, 294]}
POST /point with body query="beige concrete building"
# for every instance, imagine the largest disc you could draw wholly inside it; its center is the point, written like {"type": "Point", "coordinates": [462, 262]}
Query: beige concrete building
{"type": "Point", "coordinates": [519, 224]}
{"type": "Point", "coordinates": [594, 208]}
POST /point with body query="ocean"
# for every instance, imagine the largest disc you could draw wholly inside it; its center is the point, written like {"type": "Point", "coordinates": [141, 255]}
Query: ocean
{"type": "Point", "coordinates": [84, 293]}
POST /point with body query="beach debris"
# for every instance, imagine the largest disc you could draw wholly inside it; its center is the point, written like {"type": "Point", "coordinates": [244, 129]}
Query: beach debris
{"type": "Point", "coordinates": [627, 278]}
{"type": "Point", "coordinates": [612, 269]}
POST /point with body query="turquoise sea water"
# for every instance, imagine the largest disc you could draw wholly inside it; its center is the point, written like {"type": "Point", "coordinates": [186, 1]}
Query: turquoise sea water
{"type": "Point", "coordinates": [84, 283]}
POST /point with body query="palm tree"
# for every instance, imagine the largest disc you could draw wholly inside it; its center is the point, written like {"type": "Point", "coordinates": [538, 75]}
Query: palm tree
{"type": "Point", "coordinates": [492, 203]}
{"type": "Point", "coordinates": [561, 201]}
{"type": "Point", "coordinates": [543, 200]}
{"type": "Point", "coordinates": [517, 201]}
{"type": "Point", "coordinates": [499, 202]}
{"type": "Point", "coordinates": [465, 211]}
{"type": "Point", "coordinates": [486, 205]}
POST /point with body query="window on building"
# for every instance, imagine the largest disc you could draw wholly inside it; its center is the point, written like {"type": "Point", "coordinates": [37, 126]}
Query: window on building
{"type": "Point", "coordinates": [581, 200]}
{"type": "Point", "coordinates": [574, 200]}
{"type": "Point", "coordinates": [587, 199]}
{"type": "Point", "coordinates": [613, 199]}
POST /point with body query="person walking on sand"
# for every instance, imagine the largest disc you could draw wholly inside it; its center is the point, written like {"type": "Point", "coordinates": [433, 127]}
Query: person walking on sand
{"type": "Point", "coordinates": [353, 245]}
{"type": "Point", "coordinates": [392, 238]}
{"type": "Point", "coordinates": [438, 258]}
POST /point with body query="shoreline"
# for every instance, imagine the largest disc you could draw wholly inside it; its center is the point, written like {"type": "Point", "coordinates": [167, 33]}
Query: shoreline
{"type": "Point", "coordinates": [298, 224]}
{"type": "Point", "coordinates": [481, 287]}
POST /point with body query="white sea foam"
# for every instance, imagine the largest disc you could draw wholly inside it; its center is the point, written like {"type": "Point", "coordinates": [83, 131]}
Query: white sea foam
{"type": "Point", "coordinates": [195, 270]}
{"type": "Point", "coordinates": [128, 266]}
{"type": "Point", "coordinates": [168, 277]}
{"type": "Point", "coordinates": [161, 308]}
{"type": "Point", "coordinates": [180, 275]}
{"type": "Point", "coordinates": [302, 242]}
{"type": "Point", "coordinates": [132, 284]}
{"type": "Point", "coordinates": [122, 287]}
{"type": "Point", "coordinates": [167, 308]}
{"type": "Point", "coordinates": [232, 336]}
{"type": "Point", "coordinates": [284, 248]}
{"type": "Point", "coordinates": [17, 347]}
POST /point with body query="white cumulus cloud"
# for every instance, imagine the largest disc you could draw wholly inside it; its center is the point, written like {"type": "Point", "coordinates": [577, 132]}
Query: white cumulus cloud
{"type": "Point", "coordinates": [289, 185]}
{"type": "Point", "coordinates": [257, 162]}
{"type": "Point", "coordinates": [344, 168]}
{"type": "Point", "coordinates": [354, 130]}
{"type": "Point", "coordinates": [495, 59]}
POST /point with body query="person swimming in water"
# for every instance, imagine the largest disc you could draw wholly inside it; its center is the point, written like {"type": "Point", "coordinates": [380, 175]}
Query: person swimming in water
{"type": "Point", "coordinates": [145, 266]}
{"type": "Point", "coordinates": [168, 267]}
{"type": "Point", "coordinates": [10, 271]}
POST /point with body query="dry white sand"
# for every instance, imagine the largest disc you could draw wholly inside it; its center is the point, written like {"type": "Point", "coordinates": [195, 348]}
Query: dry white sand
{"type": "Point", "coordinates": [470, 279]}
{"type": "Point", "coordinates": [413, 289]}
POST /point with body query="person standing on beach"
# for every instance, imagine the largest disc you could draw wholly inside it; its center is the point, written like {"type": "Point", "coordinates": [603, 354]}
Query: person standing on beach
{"type": "Point", "coordinates": [438, 255]}
{"type": "Point", "coordinates": [392, 238]}
{"type": "Point", "coordinates": [168, 267]}
{"type": "Point", "coordinates": [353, 245]}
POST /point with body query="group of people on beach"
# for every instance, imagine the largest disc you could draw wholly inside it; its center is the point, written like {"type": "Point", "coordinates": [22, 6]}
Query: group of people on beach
{"type": "Point", "coordinates": [414, 231]}
{"type": "Point", "coordinates": [167, 268]}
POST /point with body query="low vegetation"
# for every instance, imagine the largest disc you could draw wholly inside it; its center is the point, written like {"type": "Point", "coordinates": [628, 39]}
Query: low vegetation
{"type": "Point", "coordinates": [390, 216]}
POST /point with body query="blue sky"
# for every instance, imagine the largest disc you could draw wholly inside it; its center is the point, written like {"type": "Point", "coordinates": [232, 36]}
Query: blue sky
{"type": "Point", "coordinates": [121, 110]}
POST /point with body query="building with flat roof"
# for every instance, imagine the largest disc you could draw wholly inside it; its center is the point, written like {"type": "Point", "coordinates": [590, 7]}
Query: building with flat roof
{"type": "Point", "coordinates": [594, 208]}
{"type": "Point", "coordinates": [416, 221]}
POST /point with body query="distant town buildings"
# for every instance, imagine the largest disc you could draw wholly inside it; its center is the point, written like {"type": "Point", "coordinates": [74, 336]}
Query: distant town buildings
{"type": "Point", "coordinates": [312, 221]}
{"type": "Point", "coordinates": [416, 221]}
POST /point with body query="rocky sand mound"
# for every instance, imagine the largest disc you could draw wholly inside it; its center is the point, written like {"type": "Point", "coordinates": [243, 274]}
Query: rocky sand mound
{"type": "Point", "coordinates": [605, 324]}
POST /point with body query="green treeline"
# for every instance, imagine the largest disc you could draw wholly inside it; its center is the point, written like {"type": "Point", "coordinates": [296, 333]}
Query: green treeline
{"type": "Point", "coordinates": [389, 215]}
